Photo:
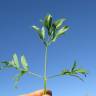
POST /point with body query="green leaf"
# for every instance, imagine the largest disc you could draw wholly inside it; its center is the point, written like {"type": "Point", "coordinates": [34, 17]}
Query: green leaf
{"type": "Point", "coordinates": [18, 77]}
{"type": "Point", "coordinates": [8, 64]}
{"type": "Point", "coordinates": [74, 72]}
{"type": "Point", "coordinates": [12, 63]}
{"type": "Point", "coordinates": [78, 77]}
{"type": "Point", "coordinates": [24, 63]}
{"type": "Point", "coordinates": [48, 21]}
{"type": "Point", "coordinates": [15, 61]}
{"type": "Point", "coordinates": [58, 23]}
{"type": "Point", "coordinates": [74, 66]}
{"type": "Point", "coordinates": [65, 72]}
{"type": "Point", "coordinates": [53, 30]}
{"type": "Point", "coordinates": [36, 29]}
{"type": "Point", "coordinates": [42, 33]}
{"type": "Point", "coordinates": [60, 32]}
{"type": "Point", "coordinates": [82, 71]}
{"type": "Point", "coordinates": [4, 64]}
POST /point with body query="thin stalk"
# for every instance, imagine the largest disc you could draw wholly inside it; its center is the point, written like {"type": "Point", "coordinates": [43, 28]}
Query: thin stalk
{"type": "Point", "coordinates": [35, 74]}
{"type": "Point", "coordinates": [53, 76]}
{"type": "Point", "coordinates": [32, 73]}
{"type": "Point", "coordinates": [45, 69]}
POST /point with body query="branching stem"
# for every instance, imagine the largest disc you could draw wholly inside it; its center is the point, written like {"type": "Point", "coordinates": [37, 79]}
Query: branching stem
{"type": "Point", "coordinates": [35, 74]}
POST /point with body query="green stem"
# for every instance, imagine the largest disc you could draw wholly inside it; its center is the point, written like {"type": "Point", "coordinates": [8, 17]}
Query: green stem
{"type": "Point", "coordinates": [53, 76]}
{"type": "Point", "coordinates": [45, 69]}
{"type": "Point", "coordinates": [35, 74]}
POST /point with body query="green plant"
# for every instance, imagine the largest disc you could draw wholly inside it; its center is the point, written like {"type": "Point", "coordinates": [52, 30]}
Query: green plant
{"type": "Point", "coordinates": [51, 30]}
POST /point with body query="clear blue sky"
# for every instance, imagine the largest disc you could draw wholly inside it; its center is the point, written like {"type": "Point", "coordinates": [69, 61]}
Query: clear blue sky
{"type": "Point", "coordinates": [79, 43]}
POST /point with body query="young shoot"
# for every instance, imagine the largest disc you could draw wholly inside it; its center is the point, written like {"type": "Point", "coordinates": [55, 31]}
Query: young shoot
{"type": "Point", "coordinates": [49, 33]}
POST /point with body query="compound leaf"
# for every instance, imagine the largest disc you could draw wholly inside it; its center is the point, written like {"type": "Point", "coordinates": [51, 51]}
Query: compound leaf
{"type": "Point", "coordinates": [76, 72]}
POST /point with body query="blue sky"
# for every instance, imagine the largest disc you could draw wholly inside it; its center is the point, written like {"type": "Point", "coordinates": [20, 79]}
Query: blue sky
{"type": "Point", "coordinates": [16, 35]}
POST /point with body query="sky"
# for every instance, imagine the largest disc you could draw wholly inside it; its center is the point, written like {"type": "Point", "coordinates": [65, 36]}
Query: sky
{"type": "Point", "coordinates": [79, 43]}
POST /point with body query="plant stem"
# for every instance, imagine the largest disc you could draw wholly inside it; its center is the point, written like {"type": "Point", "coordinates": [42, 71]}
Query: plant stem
{"type": "Point", "coordinates": [35, 74]}
{"type": "Point", "coordinates": [53, 76]}
{"type": "Point", "coordinates": [45, 69]}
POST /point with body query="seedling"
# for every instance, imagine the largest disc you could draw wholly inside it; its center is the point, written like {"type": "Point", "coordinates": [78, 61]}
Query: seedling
{"type": "Point", "coordinates": [51, 31]}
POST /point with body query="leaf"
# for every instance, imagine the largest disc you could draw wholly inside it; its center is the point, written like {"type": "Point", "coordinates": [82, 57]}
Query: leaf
{"type": "Point", "coordinates": [78, 77]}
{"type": "Point", "coordinates": [7, 64]}
{"type": "Point", "coordinates": [65, 72]}
{"type": "Point", "coordinates": [22, 71]}
{"type": "Point", "coordinates": [18, 77]}
{"type": "Point", "coordinates": [48, 21]}
{"type": "Point", "coordinates": [42, 33]}
{"type": "Point", "coordinates": [15, 61]}
{"type": "Point", "coordinates": [53, 30]}
{"type": "Point", "coordinates": [74, 66]}
{"type": "Point", "coordinates": [60, 32]}
{"type": "Point", "coordinates": [58, 23]}
{"type": "Point", "coordinates": [82, 71]}
{"type": "Point", "coordinates": [4, 65]}
{"type": "Point", "coordinates": [74, 72]}
{"type": "Point", "coordinates": [24, 63]}
{"type": "Point", "coordinates": [36, 29]}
